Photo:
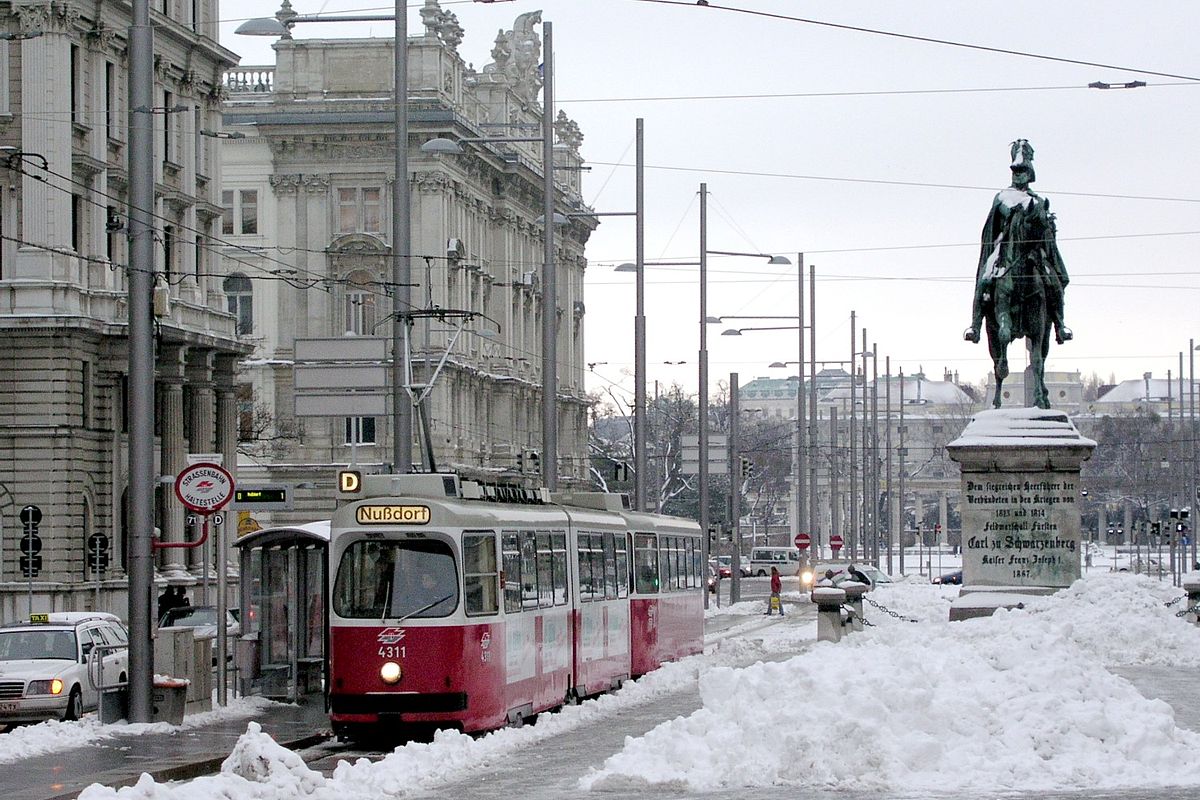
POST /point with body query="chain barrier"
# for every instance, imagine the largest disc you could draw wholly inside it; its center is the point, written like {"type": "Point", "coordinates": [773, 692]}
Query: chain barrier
{"type": "Point", "coordinates": [1190, 610]}
{"type": "Point", "coordinates": [1170, 603]}
{"type": "Point", "coordinates": [887, 610]}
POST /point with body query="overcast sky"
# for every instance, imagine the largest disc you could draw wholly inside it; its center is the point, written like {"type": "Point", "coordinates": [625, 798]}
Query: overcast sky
{"type": "Point", "coordinates": [874, 155]}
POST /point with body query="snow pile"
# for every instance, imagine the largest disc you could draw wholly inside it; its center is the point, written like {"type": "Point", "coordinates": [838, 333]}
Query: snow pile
{"type": "Point", "coordinates": [53, 736]}
{"type": "Point", "coordinates": [1015, 702]}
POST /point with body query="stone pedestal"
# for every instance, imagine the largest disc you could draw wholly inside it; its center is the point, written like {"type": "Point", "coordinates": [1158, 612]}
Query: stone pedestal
{"type": "Point", "coordinates": [1020, 506]}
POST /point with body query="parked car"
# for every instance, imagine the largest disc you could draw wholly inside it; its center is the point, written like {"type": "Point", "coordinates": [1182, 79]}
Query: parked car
{"type": "Point", "coordinates": [812, 576]}
{"type": "Point", "coordinates": [202, 618]}
{"type": "Point", "coordinates": [949, 578]}
{"type": "Point", "coordinates": [785, 559]}
{"type": "Point", "coordinates": [44, 665]}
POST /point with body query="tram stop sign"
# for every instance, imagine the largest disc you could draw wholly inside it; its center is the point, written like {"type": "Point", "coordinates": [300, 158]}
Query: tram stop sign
{"type": "Point", "coordinates": [204, 488]}
{"type": "Point", "coordinates": [802, 541]}
{"type": "Point", "coordinates": [835, 542]}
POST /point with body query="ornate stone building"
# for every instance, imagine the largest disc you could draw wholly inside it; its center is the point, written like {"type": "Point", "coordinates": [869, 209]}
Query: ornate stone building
{"type": "Point", "coordinates": [308, 200]}
{"type": "Point", "coordinates": [64, 120]}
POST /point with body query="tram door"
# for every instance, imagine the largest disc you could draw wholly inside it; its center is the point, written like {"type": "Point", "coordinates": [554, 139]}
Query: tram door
{"type": "Point", "coordinates": [289, 605]}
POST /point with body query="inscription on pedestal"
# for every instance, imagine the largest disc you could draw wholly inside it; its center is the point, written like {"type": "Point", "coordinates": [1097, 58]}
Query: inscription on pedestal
{"type": "Point", "coordinates": [1021, 528]}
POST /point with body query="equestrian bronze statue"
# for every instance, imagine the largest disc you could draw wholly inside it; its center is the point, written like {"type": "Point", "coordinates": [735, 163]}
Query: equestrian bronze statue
{"type": "Point", "coordinates": [1020, 280]}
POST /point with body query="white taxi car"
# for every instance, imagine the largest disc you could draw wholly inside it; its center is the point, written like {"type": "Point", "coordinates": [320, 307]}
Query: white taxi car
{"type": "Point", "coordinates": [44, 664]}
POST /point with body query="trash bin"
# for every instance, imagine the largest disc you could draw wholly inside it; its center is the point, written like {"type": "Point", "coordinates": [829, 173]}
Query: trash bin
{"type": "Point", "coordinates": [114, 705]}
{"type": "Point", "coordinates": [169, 699]}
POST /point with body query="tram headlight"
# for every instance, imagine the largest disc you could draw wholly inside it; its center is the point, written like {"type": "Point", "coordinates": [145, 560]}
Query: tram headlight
{"type": "Point", "coordinates": [390, 672]}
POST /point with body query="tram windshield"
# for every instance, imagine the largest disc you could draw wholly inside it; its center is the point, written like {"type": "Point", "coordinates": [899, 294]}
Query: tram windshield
{"type": "Point", "coordinates": [393, 580]}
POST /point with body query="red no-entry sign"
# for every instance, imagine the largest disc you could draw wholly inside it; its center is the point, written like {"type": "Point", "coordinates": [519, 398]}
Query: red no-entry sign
{"type": "Point", "coordinates": [835, 542]}
{"type": "Point", "coordinates": [802, 541]}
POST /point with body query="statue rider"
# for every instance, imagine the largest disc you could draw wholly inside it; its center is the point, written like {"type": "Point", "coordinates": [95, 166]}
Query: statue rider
{"type": "Point", "coordinates": [1019, 226]}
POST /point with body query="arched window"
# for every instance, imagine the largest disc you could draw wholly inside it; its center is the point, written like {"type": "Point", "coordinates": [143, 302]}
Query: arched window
{"type": "Point", "coordinates": [240, 294]}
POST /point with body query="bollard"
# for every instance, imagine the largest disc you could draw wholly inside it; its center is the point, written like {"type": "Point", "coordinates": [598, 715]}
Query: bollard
{"type": "Point", "coordinates": [1192, 587]}
{"type": "Point", "coordinates": [829, 601]}
{"type": "Point", "coordinates": [854, 602]}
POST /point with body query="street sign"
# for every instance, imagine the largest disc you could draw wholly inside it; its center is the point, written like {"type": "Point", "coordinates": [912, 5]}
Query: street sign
{"type": "Point", "coordinates": [341, 404]}
{"type": "Point", "coordinates": [204, 488]}
{"type": "Point", "coordinates": [802, 541]}
{"type": "Point", "coordinates": [31, 515]}
{"type": "Point", "coordinates": [30, 566]}
{"type": "Point", "coordinates": [835, 542]}
{"type": "Point", "coordinates": [340, 376]}
{"type": "Point", "coordinates": [205, 458]}
{"type": "Point", "coordinates": [343, 348]}
{"type": "Point", "coordinates": [31, 545]}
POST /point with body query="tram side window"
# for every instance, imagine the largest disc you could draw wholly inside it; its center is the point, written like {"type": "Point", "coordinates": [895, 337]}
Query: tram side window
{"type": "Point", "coordinates": [697, 557]}
{"type": "Point", "coordinates": [680, 564]}
{"type": "Point", "coordinates": [529, 572]}
{"type": "Point", "coordinates": [545, 567]}
{"type": "Point", "coordinates": [666, 564]}
{"type": "Point", "coordinates": [558, 545]}
{"type": "Point", "coordinates": [511, 553]}
{"type": "Point", "coordinates": [479, 573]}
{"type": "Point", "coordinates": [589, 579]}
{"type": "Point", "coordinates": [622, 564]}
{"type": "Point", "coordinates": [690, 563]}
{"type": "Point", "coordinates": [645, 563]}
{"type": "Point", "coordinates": [610, 566]}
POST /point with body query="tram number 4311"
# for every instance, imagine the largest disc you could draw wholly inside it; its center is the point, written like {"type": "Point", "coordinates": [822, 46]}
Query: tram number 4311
{"type": "Point", "coordinates": [392, 651]}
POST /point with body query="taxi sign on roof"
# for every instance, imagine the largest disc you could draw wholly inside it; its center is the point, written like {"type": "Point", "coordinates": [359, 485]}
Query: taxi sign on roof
{"type": "Point", "coordinates": [39, 617]}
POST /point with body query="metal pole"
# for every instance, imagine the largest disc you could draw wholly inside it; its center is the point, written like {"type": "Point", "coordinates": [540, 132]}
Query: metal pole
{"type": "Point", "coordinates": [141, 360]}
{"type": "Point", "coordinates": [887, 444]}
{"type": "Point", "coordinates": [812, 397]}
{"type": "Point", "coordinates": [865, 454]}
{"type": "Point", "coordinates": [875, 453]}
{"type": "Point", "coordinates": [852, 462]}
{"type": "Point", "coordinates": [402, 417]}
{"type": "Point", "coordinates": [30, 556]}
{"type": "Point", "coordinates": [219, 546]}
{"type": "Point", "coordinates": [549, 276]}
{"type": "Point", "coordinates": [702, 390]}
{"type": "Point", "coordinates": [639, 339]}
{"type": "Point", "coordinates": [900, 472]}
{"type": "Point", "coordinates": [835, 510]}
{"type": "Point", "coordinates": [735, 492]}
{"type": "Point", "coordinates": [1192, 495]}
{"type": "Point", "coordinates": [802, 500]}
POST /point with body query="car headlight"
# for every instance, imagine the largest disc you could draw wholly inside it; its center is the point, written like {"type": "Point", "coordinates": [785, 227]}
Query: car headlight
{"type": "Point", "coordinates": [54, 686]}
{"type": "Point", "coordinates": [806, 577]}
{"type": "Point", "coordinates": [390, 672]}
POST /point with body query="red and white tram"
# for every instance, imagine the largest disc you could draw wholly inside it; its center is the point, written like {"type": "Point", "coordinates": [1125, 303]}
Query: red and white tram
{"type": "Point", "coordinates": [462, 605]}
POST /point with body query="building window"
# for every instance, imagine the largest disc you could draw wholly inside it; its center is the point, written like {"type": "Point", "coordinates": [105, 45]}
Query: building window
{"type": "Point", "coordinates": [110, 100]}
{"type": "Point", "coordinates": [359, 210]}
{"type": "Point", "coordinates": [168, 123]}
{"type": "Point", "coordinates": [360, 430]}
{"type": "Point", "coordinates": [245, 412]}
{"type": "Point", "coordinates": [199, 259]}
{"type": "Point", "coordinates": [239, 211]}
{"type": "Point", "coordinates": [240, 294]}
{"type": "Point", "coordinates": [76, 67]}
{"type": "Point", "coordinates": [359, 308]}
{"type": "Point", "coordinates": [168, 250]}
{"type": "Point", "coordinates": [77, 223]}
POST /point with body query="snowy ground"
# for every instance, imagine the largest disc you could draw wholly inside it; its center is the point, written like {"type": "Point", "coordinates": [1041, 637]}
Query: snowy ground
{"type": "Point", "coordinates": [1020, 702]}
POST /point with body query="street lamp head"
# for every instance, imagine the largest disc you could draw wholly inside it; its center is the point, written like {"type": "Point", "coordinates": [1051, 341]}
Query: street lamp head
{"type": "Point", "coordinates": [443, 145]}
{"type": "Point", "coordinates": [777, 365]}
{"type": "Point", "coordinates": [779, 260]}
{"type": "Point", "coordinates": [731, 332]}
{"type": "Point", "coordinates": [626, 267]}
{"type": "Point", "coordinates": [712, 320]}
{"type": "Point", "coordinates": [559, 219]}
{"type": "Point", "coordinates": [262, 26]}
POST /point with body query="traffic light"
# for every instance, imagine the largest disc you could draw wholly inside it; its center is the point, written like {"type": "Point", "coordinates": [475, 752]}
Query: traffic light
{"type": "Point", "coordinates": [747, 468]}
{"type": "Point", "coordinates": [1155, 528]}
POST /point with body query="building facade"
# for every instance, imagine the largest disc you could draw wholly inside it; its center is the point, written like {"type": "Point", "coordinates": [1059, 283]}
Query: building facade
{"type": "Point", "coordinates": [307, 195]}
{"type": "Point", "coordinates": [64, 263]}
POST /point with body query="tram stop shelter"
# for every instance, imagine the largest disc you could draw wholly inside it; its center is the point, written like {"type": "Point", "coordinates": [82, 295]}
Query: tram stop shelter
{"type": "Point", "coordinates": [285, 638]}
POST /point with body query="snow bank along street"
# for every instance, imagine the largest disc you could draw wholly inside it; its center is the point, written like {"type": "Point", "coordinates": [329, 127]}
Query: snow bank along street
{"type": "Point", "coordinates": [1022, 701]}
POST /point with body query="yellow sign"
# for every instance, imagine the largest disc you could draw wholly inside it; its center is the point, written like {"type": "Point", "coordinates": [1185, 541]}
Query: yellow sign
{"type": "Point", "coordinates": [39, 617]}
{"type": "Point", "coordinates": [392, 515]}
{"type": "Point", "coordinates": [247, 524]}
{"type": "Point", "coordinates": [349, 480]}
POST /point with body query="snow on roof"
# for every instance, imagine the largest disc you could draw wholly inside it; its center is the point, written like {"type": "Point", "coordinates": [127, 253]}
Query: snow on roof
{"type": "Point", "coordinates": [1135, 391]}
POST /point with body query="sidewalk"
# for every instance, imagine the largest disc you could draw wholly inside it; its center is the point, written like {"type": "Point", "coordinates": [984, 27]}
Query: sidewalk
{"type": "Point", "coordinates": [177, 755]}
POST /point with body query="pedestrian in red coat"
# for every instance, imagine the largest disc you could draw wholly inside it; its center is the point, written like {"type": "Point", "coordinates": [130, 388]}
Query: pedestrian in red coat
{"type": "Point", "coordinates": [776, 587]}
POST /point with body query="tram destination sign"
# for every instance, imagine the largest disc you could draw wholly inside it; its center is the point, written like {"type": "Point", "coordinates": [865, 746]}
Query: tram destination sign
{"type": "Point", "coordinates": [392, 515]}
